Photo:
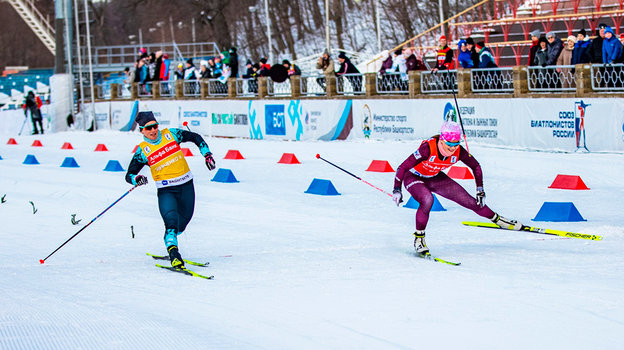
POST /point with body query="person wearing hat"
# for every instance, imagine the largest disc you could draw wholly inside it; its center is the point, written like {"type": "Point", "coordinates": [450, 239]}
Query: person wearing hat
{"type": "Point", "coordinates": [293, 69]}
{"type": "Point", "coordinates": [474, 55]}
{"type": "Point", "coordinates": [541, 56]}
{"type": "Point", "coordinates": [33, 104]}
{"type": "Point", "coordinates": [444, 56]}
{"type": "Point", "coordinates": [581, 52]}
{"type": "Point", "coordinates": [555, 46]}
{"type": "Point", "coordinates": [352, 73]}
{"type": "Point", "coordinates": [565, 59]}
{"type": "Point", "coordinates": [464, 58]}
{"type": "Point", "coordinates": [160, 150]}
{"type": "Point", "coordinates": [596, 44]}
{"type": "Point", "coordinates": [611, 47]}
{"type": "Point", "coordinates": [535, 35]}
{"type": "Point", "coordinates": [326, 64]}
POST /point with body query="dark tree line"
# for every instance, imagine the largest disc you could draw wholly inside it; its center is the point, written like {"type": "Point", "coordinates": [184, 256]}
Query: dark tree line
{"type": "Point", "coordinates": [298, 26]}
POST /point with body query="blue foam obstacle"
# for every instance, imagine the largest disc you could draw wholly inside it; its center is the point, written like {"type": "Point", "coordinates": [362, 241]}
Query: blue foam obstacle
{"type": "Point", "coordinates": [30, 159]}
{"type": "Point", "coordinates": [113, 165]}
{"type": "Point", "coordinates": [558, 211]}
{"type": "Point", "coordinates": [413, 204]}
{"type": "Point", "coordinates": [322, 188]}
{"type": "Point", "coordinates": [224, 175]}
{"type": "Point", "coordinates": [69, 162]}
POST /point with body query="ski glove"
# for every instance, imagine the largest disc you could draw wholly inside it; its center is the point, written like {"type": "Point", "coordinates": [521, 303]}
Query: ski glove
{"type": "Point", "coordinates": [480, 197]}
{"type": "Point", "coordinates": [140, 180]}
{"type": "Point", "coordinates": [397, 196]}
{"type": "Point", "coordinates": [210, 162]}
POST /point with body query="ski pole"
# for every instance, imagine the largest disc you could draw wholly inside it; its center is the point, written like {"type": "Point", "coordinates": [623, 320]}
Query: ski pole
{"type": "Point", "coordinates": [318, 156]}
{"type": "Point", "coordinates": [85, 226]}
{"type": "Point", "coordinates": [461, 123]}
{"type": "Point", "coordinates": [23, 124]}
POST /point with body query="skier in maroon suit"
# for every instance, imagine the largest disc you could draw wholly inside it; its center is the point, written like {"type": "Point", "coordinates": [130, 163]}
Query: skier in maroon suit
{"type": "Point", "coordinates": [421, 174]}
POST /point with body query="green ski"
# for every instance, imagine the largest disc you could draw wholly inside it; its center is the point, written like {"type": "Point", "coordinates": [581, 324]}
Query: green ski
{"type": "Point", "coordinates": [190, 262]}
{"type": "Point", "coordinates": [428, 256]}
{"type": "Point", "coordinates": [185, 271]}
{"type": "Point", "coordinates": [544, 231]}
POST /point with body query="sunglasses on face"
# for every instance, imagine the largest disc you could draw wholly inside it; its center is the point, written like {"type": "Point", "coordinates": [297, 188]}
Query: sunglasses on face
{"type": "Point", "coordinates": [451, 144]}
{"type": "Point", "coordinates": [150, 127]}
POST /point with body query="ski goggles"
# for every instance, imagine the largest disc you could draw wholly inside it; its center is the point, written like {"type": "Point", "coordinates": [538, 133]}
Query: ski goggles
{"type": "Point", "coordinates": [150, 127]}
{"type": "Point", "coordinates": [452, 144]}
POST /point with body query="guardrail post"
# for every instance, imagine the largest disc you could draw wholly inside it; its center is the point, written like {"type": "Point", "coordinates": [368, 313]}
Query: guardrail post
{"type": "Point", "coordinates": [414, 83]}
{"type": "Point", "coordinates": [464, 88]}
{"type": "Point", "coordinates": [156, 90]}
{"type": "Point", "coordinates": [263, 87]}
{"type": "Point", "coordinates": [231, 85]}
{"type": "Point", "coordinates": [370, 79]}
{"type": "Point", "coordinates": [583, 78]}
{"type": "Point", "coordinates": [114, 91]}
{"type": "Point", "coordinates": [520, 81]}
{"type": "Point", "coordinates": [134, 91]}
{"type": "Point", "coordinates": [203, 88]}
{"type": "Point", "coordinates": [179, 89]}
{"type": "Point", "coordinates": [295, 86]}
{"type": "Point", "coordinates": [330, 85]}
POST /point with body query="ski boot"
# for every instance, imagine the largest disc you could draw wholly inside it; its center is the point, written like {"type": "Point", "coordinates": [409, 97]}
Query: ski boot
{"type": "Point", "coordinates": [503, 222]}
{"type": "Point", "coordinates": [419, 243]}
{"type": "Point", "coordinates": [175, 257]}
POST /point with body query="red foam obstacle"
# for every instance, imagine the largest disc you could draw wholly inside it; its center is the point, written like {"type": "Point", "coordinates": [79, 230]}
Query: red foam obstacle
{"type": "Point", "coordinates": [380, 166]}
{"type": "Point", "coordinates": [101, 148]}
{"type": "Point", "coordinates": [12, 141]}
{"type": "Point", "coordinates": [289, 158]}
{"type": "Point", "coordinates": [460, 172]}
{"type": "Point", "coordinates": [135, 149]}
{"type": "Point", "coordinates": [233, 154]}
{"type": "Point", "coordinates": [36, 143]}
{"type": "Point", "coordinates": [568, 182]}
{"type": "Point", "coordinates": [186, 152]}
{"type": "Point", "coordinates": [67, 145]}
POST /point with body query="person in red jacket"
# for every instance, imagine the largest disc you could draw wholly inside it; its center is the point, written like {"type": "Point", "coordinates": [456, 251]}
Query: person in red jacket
{"type": "Point", "coordinates": [421, 174]}
{"type": "Point", "coordinates": [444, 58]}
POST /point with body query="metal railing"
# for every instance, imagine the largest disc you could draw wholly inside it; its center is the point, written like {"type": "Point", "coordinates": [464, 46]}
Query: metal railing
{"type": "Point", "coordinates": [217, 88]}
{"type": "Point", "coordinates": [191, 88]}
{"type": "Point", "coordinates": [313, 85]}
{"type": "Point", "coordinates": [607, 78]}
{"type": "Point", "coordinates": [350, 84]}
{"type": "Point", "coordinates": [551, 79]}
{"type": "Point", "coordinates": [440, 82]}
{"type": "Point", "coordinates": [392, 83]}
{"type": "Point", "coordinates": [246, 87]}
{"type": "Point", "coordinates": [166, 88]}
{"type": "Point", "coordinates": [492, 80]}
{"type": "Point", "coordinates": [278, 89]}
{"type": "Point", "coordinates": [145, 90]}
{"type": "Point", "coordinates": [123, 91]}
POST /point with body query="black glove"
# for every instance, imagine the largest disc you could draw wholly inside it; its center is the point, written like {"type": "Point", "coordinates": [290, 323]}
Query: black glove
{"type": "Point", "coordinates": [140, 180]}
{"type": "Point", "coordinates": [397, 196]}
{"type": "Point", "coordinates": [480, 197]}
{"type": "Point", "coordinates": [210, 162]}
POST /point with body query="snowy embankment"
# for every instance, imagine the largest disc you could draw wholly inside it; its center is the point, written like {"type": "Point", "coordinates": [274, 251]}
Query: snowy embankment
{"type": "Point", "coordinates": [299, 271]}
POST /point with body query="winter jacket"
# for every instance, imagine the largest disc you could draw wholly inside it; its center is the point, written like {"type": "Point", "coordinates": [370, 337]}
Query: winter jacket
{"type": "Point", "coordinates": [445, 58]}
{"type": "Point", "coordinates": [399, 64]}
{"type": "Point", "coordinates": [554, 50]}
{"type": "Point", "coordinates": [347, 68]}
{"type": "Point", "coordinates": [582, 52]}
{"type": "Point", "coordinates": [386, 65]}
{"type": "Point", "coordinates": [611, 48]}
{"type": "Point", "coordinates": [464, 57]}
{"type": "Point", "coordinates": [565, 58]}
{"type": "Point", "coordinates": [486, 60]}
{"type": "Point", "coordinates": [541, 58]}
{"type": "Point", "coordinates": [414, 63]}
{"type": "Point", "coordinates": [532, 51]}
{"type": "Point", "coordinates": [596, 48]}
{"type": "Point", "coordinates": [326, 65]}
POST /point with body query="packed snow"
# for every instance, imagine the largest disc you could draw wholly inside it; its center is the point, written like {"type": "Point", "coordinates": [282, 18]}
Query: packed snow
{"type": "Point", "coordinates": [301, 271]}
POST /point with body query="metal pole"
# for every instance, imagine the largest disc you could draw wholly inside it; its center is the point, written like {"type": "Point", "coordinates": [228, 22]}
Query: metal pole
{"type": "Point", "coordinates": [193, 36]}
{"type": "Point", "coordinates": [268, 19]}
{"type": "Point", "coordinates": [79, 51]}
{"type": "Point", "coordinates": [140, 37]}
{"type": "Point", "coordinates": [377, 19]}
{"type": "Point", "coordinates": [441, 15]}
{"type": "Point", "coordinates": [59, 24]}
{"type": "Point", "coordinates": [86, 9]}
{"type": "Point", "coordinates": [327, 26]}
{"type": "Point", "coordinates": [171, 29]}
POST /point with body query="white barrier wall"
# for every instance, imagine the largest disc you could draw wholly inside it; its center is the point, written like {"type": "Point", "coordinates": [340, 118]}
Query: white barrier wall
{"type": "Point", "coordinates": [556, 124]}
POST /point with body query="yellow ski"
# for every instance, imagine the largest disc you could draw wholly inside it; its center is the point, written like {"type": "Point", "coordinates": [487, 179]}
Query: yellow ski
{"type": "Point", "coordinates": [544, 231]}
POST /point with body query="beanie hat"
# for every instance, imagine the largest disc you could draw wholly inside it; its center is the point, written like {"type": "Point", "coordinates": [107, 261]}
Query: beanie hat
{"type": "Point", "coordinates": [143, 118]}
{"type": "Point", "coordinates": [442, 37]}
{"type": "Point", "coordinates": [342, 55]}
{"type": "Point", "coordinates": [549, 34]}
{"type": "Point", "coordinates": [480, 45]}
{"type": "Point", "coordinates": [536, 33]}
{"type": "Point", "coordinates": [572, 38]}
{"type": "Point", "coordinates": [470, 41]}
{"type": "Point", "coordinates": [602, 26]}
{"type": "Point", "coordinates": [582, 32]}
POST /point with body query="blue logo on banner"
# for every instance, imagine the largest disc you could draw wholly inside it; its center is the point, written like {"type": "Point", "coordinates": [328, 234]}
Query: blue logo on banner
{"type": "Point", "coordinates": [274, 118]}
{"type": "Point", "coordinates": [195, 122]}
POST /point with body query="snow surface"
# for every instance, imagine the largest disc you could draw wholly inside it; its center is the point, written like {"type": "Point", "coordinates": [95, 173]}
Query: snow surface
{"type": "Point", "coordinates": [300, 271]}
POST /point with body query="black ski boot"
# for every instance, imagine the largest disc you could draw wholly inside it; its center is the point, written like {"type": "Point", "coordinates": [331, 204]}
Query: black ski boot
{"type": "Point", "coordinates": [175, 257]}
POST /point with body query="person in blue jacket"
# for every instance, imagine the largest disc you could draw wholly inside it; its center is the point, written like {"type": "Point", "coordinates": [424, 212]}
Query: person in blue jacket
{"type": "Point", "coordinates": [464, 56]}
{"type": "Point", "coordinates": [611, 47]}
